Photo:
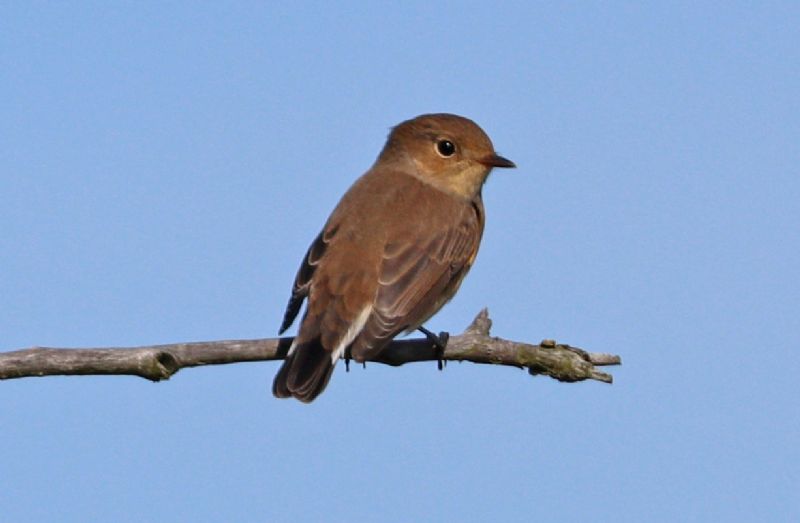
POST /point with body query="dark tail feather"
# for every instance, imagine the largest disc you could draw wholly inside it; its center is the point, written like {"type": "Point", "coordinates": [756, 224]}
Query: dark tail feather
{"type": "Point", "coordinates": [305, 373]}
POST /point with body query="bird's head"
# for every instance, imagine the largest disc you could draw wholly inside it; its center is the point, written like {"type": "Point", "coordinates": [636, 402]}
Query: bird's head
{"type": "Point", "coordinates": [448, 151]}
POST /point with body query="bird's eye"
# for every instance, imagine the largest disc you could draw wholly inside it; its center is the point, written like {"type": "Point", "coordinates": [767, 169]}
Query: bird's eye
{"type": "Point", "coordinates": [446, 148]}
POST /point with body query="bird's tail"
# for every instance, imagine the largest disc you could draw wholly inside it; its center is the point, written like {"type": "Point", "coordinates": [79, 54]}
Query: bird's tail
{"type": "Point", "coordinates": [305, 372]}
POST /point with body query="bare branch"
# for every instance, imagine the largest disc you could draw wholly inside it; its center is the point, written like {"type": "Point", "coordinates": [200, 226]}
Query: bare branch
{"type": "Point", "coordinates": [160, 362]}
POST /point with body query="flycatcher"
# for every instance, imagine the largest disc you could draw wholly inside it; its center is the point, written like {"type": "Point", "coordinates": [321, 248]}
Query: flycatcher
{"type": "Point", "coordinates": [394, 250]}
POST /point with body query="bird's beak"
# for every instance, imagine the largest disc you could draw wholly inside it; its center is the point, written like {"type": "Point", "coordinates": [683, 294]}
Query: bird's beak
{"type": "Point", "coordinates": [495, 160]}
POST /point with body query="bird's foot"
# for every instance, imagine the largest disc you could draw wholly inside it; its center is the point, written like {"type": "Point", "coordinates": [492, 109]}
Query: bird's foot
{"type": "Point", "coordinates": [439, 343]}
{"type": "Point", "coordinates": [347, 363]}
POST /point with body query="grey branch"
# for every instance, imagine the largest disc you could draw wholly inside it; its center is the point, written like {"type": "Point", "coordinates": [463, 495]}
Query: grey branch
{"type": "Point", "coordinates": [160, 362]}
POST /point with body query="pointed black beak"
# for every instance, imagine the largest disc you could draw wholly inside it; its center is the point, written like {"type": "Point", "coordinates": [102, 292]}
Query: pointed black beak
{"type": "Point", "coordinates": [495, 160]}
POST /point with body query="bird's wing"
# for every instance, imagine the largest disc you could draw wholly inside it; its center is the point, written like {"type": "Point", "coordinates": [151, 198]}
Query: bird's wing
{"type": "Point", "coordinates": [302, 282]}
{"type": "Point", "coordinates": [417, 276]}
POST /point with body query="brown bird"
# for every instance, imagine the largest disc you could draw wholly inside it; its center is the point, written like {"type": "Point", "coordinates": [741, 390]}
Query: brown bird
{"type": "Point", "coordinates": [394, 250]}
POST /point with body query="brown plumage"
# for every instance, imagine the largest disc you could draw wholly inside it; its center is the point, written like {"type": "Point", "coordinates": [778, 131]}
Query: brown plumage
{"type": "Point", "coordinates": [394, 250]}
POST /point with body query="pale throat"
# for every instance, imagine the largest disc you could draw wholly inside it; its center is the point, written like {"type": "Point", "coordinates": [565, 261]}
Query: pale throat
{"type": "Point", "coordinates": [464, 180]}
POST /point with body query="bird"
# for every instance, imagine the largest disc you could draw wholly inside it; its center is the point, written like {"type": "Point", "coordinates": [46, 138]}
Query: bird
{"type": "Point", "coordinates": [394, 250]}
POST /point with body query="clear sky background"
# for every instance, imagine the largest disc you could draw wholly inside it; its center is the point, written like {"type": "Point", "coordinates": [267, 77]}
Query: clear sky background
{"type": "Point", "coordinates": [163, 168]}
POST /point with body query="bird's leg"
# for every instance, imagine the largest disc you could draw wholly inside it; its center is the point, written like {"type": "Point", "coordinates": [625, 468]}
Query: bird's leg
{"type": "Point", "coordinates": [439, 343]}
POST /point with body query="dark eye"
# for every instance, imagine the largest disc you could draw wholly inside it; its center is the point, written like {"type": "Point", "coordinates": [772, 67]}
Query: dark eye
{"type": "Point", "coordinates": [446, 148]}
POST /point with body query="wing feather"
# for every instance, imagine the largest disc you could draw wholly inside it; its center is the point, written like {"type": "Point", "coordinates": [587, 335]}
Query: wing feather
{"type": "Point", "coordinates": [416, 278]}
{"type": "Point", "coordinates": [302, 282]}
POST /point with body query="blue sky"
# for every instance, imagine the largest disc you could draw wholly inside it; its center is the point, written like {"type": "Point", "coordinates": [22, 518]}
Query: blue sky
{"type": "Point", "coordinates": [165, 166]}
